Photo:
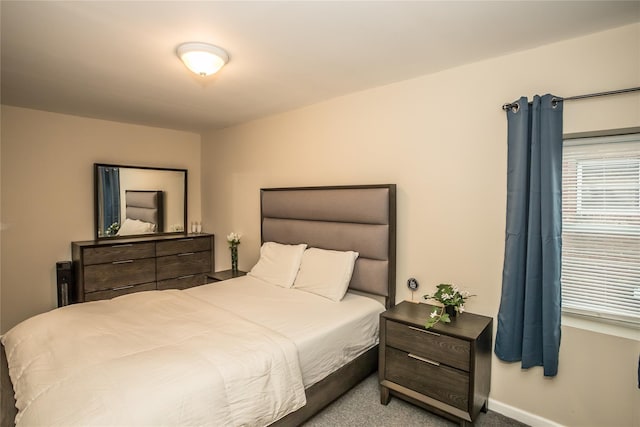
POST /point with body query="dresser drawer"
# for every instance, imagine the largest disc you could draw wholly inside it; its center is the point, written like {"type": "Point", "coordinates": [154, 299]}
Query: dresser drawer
{"type": "Point", "coordinates": [112, 293]}
{"type": "Point", "coordinates": [101, 277]}
{"type": "Point", "coordinates": [183, 282]}
{"type": "Point", "coordinates": [190, 244]}
{"type": "Point", "coordinates": [118, 252]}
{"type": "Point", "coordinates": [184, 264]}
{"type": "Point", "coordinates": [448, 385]}
{"type": "Point", "coordinates": [430, 345]}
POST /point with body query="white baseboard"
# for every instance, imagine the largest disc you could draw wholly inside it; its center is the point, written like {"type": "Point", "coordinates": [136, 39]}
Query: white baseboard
{"type": "Point", "coordinates": [520, 415]}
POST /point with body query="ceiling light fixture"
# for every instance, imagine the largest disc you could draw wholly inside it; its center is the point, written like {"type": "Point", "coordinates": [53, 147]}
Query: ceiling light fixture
{"type": "Point", "coordinates": [202, 58]}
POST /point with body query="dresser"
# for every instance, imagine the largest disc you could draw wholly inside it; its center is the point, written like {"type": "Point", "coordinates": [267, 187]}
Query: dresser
{"type": "Point", "coordinates": [445, 369]}
{"type": "Point", "coordinates": [106, 269]}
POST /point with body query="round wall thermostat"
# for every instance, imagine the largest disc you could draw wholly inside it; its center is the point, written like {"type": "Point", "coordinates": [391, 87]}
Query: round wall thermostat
{"type": "Point", "coordinates": [412, 284]}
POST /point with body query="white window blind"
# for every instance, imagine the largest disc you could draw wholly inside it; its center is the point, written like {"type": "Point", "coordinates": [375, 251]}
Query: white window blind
{"type": "Point", "coordinates": [601, 227]}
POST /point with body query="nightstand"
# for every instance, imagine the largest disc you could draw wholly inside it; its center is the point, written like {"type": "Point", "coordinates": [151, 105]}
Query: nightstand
{"type": "Point", "coordinates": [219, 276]}
{"type": "Point", "coordinates": [445, 369]}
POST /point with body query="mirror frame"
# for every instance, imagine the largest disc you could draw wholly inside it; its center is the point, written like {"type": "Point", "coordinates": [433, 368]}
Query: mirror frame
{"type": "Point", "coordinates": [96, 192]}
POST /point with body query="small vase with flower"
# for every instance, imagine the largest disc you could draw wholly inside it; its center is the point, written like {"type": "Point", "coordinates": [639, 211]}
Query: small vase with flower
{"type": "Point", "coordinates": [234, 240]}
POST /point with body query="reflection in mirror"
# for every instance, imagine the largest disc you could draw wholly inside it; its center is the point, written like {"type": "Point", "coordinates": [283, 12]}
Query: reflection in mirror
{"type": "Point", "coordinates": [137, 201]}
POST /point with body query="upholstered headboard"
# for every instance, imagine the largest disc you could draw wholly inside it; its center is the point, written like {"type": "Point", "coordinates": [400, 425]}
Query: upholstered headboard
{"type": "Point", "coordinates": [146, 206]}
{"type": "Point", "coordinates": [357, 218]}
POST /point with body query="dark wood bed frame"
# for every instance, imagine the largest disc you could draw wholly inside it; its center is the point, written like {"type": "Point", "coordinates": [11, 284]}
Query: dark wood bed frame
{"type": "Point", "coordinates": [8, 409]}
{"type": "Point", "coordinates": [359, 218]}
{"type": "Point", "coordinates": [147, 206]}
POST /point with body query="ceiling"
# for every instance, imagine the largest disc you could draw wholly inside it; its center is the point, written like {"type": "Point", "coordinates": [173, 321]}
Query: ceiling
{"type": "Point", "coordinates": [116, 60]}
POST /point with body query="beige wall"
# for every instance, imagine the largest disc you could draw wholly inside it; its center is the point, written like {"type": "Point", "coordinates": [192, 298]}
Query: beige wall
{"type": "Point", "coordinates": [47, 192]}
{"type": "Point", "coordinates": [442, 139]}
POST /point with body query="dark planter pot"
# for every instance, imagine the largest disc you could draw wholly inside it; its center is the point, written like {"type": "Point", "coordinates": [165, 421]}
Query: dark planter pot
{"type": "Point", "coordinates": [450, 310]}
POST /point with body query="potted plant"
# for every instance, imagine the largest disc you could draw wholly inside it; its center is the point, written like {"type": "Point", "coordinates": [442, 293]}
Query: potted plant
{"type": "Point", "coordinates": [452, 300]}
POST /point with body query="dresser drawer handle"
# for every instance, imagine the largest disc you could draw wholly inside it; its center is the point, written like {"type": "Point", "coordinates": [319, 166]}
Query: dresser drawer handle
{"type": "Point", "coordinates": [129, 261]}
{"type": "Point", "coordinates": [186, 254]}
{"type": "Point", "coordinates": [424, 330]}
{"type": "Point", "coordinates": [422, 359]}
{"type": "Point", "coordinates": [186, 277]}
{"type": "Point", "coordinates": [186, 240]}
{"type": "Point", "coordinates": [125, 245]}
{"type": "Point", "coordinates": [122, 287]}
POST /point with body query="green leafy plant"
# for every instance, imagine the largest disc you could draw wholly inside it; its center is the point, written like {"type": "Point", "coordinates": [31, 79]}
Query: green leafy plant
{"type": "Point", "coordinates": [448, 295]}
{"type": "Point", "coordinates": [113, 229]}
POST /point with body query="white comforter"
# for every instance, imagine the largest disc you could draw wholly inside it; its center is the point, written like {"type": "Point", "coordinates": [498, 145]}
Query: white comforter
{"type": "Point", "coordinates": [181, 361]}
{"type": "Point", "coordinates": [327, 334]}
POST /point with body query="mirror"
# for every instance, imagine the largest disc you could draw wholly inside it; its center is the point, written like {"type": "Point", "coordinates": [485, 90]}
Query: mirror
{"type": "Point", "coordinates": [139, 201]}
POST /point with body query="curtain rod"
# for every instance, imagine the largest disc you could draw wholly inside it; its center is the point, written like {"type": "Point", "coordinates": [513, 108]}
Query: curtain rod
{"type": "Point", "coordinates": [588, 95]}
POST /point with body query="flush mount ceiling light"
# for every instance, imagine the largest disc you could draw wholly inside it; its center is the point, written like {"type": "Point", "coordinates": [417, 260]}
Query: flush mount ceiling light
{"type": "Point", "coordinates": [202, 58]}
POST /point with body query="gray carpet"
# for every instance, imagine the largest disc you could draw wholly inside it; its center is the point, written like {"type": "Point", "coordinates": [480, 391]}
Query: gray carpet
{"type": "Point", "coordinates": [361, 407]}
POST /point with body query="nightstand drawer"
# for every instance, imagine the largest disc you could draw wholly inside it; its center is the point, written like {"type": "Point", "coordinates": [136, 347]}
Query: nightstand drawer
{"type": "Point", "coordinates": [430, 345]}
{"type": "Point", "coordinates": [425, 376]}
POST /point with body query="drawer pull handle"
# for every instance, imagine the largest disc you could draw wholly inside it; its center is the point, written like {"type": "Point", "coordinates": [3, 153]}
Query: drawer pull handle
{"type": "Point", "coordinates": [422, 359]}
{"type": "Point", "coordinates": [186, 277]}
{"type": "Point", "coordinates": [185, 240]}
{"type": "Point", "coordinates": [186, 254]}
{"type": "Point", "coordinates": [125, 245]}
{"type": "Point", "coordinates": [122, 287]}
{"type": "Point", "coordinates": [424, 330]}
{"type": "Point", "coordinates": [129, 261]}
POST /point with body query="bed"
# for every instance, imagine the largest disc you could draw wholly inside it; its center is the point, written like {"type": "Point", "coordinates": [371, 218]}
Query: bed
{"type": "Point", "coordinates": [249, 313]}
{"type": "Point", "coordinates": [144, 212]}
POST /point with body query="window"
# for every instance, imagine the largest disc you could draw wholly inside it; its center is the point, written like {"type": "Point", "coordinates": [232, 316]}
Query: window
{"type": "Point", "coordinates": [601, 227]}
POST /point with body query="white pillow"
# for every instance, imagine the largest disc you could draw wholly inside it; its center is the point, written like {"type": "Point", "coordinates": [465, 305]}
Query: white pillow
{"type": "Point", "coordinates": [326, 273]}
{"type": "Point", "coordinates": [135, 226]}
{"type": "Point", "coordinates": [278, 263]}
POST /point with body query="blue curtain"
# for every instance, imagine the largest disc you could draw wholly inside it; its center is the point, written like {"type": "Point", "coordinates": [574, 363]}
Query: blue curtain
{"type": "Point", "coordinates": [110, 178]}
{"type": "Point", "coordinates": [530, 305]}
